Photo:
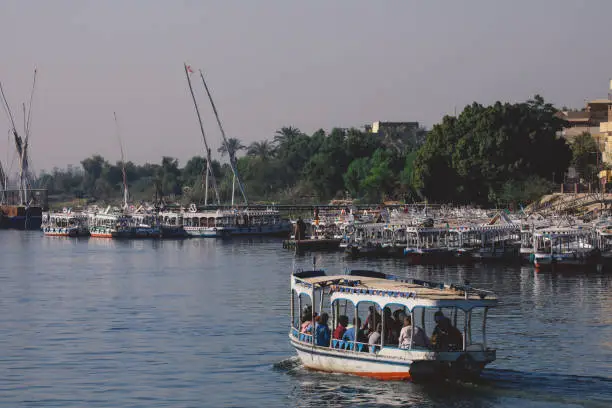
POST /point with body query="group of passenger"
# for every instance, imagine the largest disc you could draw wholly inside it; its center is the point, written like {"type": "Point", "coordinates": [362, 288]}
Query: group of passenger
{"type": "Point", "coordinates": [398, 330]}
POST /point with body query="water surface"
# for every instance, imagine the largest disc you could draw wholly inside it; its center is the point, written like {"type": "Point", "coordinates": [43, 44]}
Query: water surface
{"type": "Point", "coordinates": [201, 322]}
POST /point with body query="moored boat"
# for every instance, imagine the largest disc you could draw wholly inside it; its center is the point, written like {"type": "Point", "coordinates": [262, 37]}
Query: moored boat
{"type": "Point", "coordinates": [103, 225]}
{"type": "Point", "coordinates": [565, 248]}
{"type": "Point", "coordinates": [65, 224]}
{"type": "Point", "coordinates": [381, 357]}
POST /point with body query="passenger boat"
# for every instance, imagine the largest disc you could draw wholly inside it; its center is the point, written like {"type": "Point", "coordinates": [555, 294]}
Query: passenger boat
{"type": "Point", "coordinates": [314, 236]}
{"type": "Point", "coordinates": [565, 248]}
{"type": "Point", "coordinates": [489, 242]}
{"type": "Point", "coordinates": [349, 294]}
{"type": "Point", "coordinates": [225, 223]}
{"type": "Point", "coordinates": [142, 226]}
{"type": "Point", "coordinates": [429, 246]}
{"type": "Point", "coordinates": [259, 222]}
{"type": "Point", "coordinates": [172, 225]}
{"type": "Point", "coordinates": [206, 224]}
{"type": "Point", "coordinates": [65, 224]}
{"type": "Point", "coordinates": [102, 225]}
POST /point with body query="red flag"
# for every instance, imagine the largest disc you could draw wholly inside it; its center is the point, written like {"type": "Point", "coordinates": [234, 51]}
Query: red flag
{"type": "Point", "coordinates": [189, 69]}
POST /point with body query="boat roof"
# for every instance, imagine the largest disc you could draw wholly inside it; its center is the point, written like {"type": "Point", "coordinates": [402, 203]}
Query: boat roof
{"type": "Point", "coordinates": [380, 284]}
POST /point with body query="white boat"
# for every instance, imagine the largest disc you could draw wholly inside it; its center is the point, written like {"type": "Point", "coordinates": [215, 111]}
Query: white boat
{"type": "Point", "coordinates": [350, 295]}
{"type": "Point", "coordinates": [565, 248]}
{"type": "Point", "coordinates": [259, 222]}
{"type": "Point", "coordinates": [225, 223]}
{"type": "Point", "coordinates": [65, 224]}
{"type": "Point", "coordinates": [206, 224]}
{"type": "Point", "coordinates": [103, 225]}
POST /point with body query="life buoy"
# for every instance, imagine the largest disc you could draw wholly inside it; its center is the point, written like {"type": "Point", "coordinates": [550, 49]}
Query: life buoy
{"type": "Point", "coordinates": [193, 208]}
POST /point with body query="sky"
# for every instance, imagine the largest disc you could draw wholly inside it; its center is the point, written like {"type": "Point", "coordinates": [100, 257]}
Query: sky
{"type": "Point", "coordinates": [273, 63]}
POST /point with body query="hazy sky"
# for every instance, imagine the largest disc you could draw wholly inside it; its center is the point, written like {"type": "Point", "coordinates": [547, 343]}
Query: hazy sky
{"type": "Point", "coordinates": [270, 63]}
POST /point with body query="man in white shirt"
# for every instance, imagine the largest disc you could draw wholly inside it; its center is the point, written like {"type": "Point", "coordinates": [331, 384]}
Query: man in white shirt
{"type": "Point", "coordinates": [374, 337]}
{"type": "Point", "coordinates": [419, 338]}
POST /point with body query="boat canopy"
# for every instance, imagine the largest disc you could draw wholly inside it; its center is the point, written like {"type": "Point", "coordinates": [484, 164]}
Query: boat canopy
{"type": "Point", "coordinates": [370, 286]}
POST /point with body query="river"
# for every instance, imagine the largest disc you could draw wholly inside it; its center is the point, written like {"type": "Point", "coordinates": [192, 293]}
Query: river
{"type": "Point", "coordinates": [204, 323]}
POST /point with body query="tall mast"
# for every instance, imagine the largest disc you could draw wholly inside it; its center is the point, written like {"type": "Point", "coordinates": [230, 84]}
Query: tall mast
{"type": "Point", "coordinates": [232, 154]}
{"type": "Point", "coordinates": [125, 186]}
{"type": "Point", "coordinates": [206, 181]}
{"type": "Point", "coordinates": [18, 142]}
{"type": "Point", "coordinates": [208, 158]}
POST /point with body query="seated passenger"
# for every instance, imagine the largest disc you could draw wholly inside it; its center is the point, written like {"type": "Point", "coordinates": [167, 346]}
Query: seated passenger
{"type": "Point", "coordinates": [341, 328]}
{"type": "Point", "coordinates": [323, 334]}
{"type": "Point", "coordinates": [307, 323]}
{"type": "Point", "coordinates": [390, 337]}
{"type": "Point", "coordinates": [372, 320]}
{"type": "Point", "coordinates": [374, 337]}
{"type": "Point", "coordinates": [445, 337]}
{"type": "Point", "coordinates": [349, 334]}
{"type": "Point", "coordinates": [398, 322]}
{"type": "Point", "coordinates": [419, 338]}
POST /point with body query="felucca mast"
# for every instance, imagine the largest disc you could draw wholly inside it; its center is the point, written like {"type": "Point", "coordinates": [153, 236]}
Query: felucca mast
{"type": "Point", "coordinates": [125, 186]}
{"type": "Point", "coordinates": [232, 155]}
{"type": "Point", "coordinates": [20, 144]}
{"type": "Point", "coordinates": [208, 157]}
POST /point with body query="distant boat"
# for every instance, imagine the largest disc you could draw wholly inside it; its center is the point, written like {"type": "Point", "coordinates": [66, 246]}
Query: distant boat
{"type": "Point", "coordinates": [65, 224]}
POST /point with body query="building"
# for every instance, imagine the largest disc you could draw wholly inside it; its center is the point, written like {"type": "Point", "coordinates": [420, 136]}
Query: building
{"type": "Point", "coordinates": [605, 134]}
{"type": "Point", "coordinates": [397, 127]}
{"type": "Point", "coordinates": [587, 120]}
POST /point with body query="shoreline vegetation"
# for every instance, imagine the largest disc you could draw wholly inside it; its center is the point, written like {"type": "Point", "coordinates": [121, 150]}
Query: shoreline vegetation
{"type": "Point", "coordinates": [503, 155]}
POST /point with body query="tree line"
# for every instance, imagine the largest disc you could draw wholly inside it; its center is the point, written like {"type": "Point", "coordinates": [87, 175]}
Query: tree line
{"type": "Point", "coordinates": [487, 155]}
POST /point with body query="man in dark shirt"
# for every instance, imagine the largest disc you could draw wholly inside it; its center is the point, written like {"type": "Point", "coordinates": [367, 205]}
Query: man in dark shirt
{"type": "Point", "coordinates": [445, 337]}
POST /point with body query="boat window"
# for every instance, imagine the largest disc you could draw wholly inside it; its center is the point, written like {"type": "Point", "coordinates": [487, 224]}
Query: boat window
{"type": "Point", "coordinates": [476, 334]}
{"type": "Point", "coordinates": [302, 312]}
{"type": "Point", "coordinates": [341, 307]}
{"type": "Point", "coordinates": [425, 317]}
{"type": "Point", "coordinates": [364, 310]}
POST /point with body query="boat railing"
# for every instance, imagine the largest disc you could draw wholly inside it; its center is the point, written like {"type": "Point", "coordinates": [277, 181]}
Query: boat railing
{"type": "Point", "coordinates": [353, 346]}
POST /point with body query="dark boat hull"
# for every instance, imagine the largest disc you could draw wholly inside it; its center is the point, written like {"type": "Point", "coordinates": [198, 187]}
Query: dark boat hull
{"type": "Point", "coordinates": [173, 232]}
{"type": "Point", "coordinates": [20, 217]}
{"type": "Point", "coordinates": [312, 244]}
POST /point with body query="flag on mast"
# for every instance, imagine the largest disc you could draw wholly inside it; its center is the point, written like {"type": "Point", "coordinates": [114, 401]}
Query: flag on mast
{"type": "Point", "coordinates": [191, 70]}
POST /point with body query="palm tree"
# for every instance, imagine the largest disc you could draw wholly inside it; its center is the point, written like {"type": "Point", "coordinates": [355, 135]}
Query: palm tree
{"type": "Point", "coordinates": [232, 147]}
{"type": "Point", "coordinates": [264, 149]}
{"type": "Point", "coordinates": [286, 135]}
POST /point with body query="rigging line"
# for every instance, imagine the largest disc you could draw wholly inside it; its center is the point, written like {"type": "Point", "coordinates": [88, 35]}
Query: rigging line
{"type": "Point", "coordinates": [124, 175]}
{"type": "Point", "coordinates": [7, 108]}
{"type": "Point", "coordinates": [231, 154]}
{"type": "Point", "coordinates": [27, 127]}
{"type": "Point", "coordinates": [209, 159]}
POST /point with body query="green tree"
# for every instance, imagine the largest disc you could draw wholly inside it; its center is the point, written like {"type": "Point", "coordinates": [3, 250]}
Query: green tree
{"type": "Point", "coordinates": [357, 171]}
{"type": "Point", "coordinates": [380, 181]}
{"type": "Point", "coordinates": [468, 159]}
{"type": "Point", "coordinates": [585, 155]}
{"type": "Point", "coordinates": [92, 168]}
{"type": "Point", "coordinates": [286, 135]}
{"type": "Point", "coordinates": [232, 147]}
{"type": "Point", "coordinates": [168, 176]}
{"type": "Point", "coordinates": [263, 149]}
